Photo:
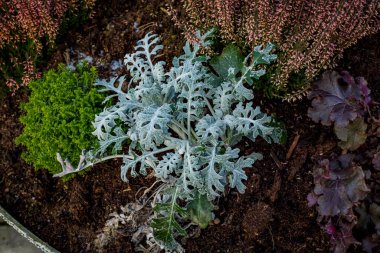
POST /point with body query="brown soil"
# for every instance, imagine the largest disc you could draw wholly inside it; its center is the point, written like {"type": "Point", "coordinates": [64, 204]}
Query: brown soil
{"type": "Point", "coordinates": [272, 216]}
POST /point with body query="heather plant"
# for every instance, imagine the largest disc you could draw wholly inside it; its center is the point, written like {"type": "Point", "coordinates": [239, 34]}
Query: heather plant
{"type": "Point", "coordinates": [25, 27]}
{"type": "Point", "coordinates": [310, 35]}
{"type": "Point", "coordinates": [58, 115]}
{"type": "Point", "coordinates": [183, 125]}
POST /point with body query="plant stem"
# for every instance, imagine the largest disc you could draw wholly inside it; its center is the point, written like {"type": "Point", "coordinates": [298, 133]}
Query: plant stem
{"type": "Point", "coordinates": [184, 130]}
{"type": "Point", "coordinates": [178, 129]}
{"type": "Point", "coordinates": [189, 118]}
{"type": "Point", "coordinates": [210, 107]}
{"type": "Point", "coordinates": [104, 159]}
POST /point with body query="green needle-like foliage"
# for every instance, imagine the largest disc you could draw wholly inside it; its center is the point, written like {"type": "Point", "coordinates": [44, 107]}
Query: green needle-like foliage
{"type": "Point", "coordinates": [58, 116]}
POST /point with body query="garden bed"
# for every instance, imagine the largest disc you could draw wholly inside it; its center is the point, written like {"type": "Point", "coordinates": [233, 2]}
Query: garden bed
{"type": "Point", "coordinates": [272, 215]}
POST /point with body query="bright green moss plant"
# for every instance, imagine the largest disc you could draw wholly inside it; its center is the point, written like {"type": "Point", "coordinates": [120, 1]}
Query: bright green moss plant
{"type": "Point", "coordinates": [58, 116]}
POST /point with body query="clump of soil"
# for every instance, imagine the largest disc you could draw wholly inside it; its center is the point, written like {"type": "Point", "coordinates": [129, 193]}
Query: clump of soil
{"type": "Point", "coordinates": [256, 220]}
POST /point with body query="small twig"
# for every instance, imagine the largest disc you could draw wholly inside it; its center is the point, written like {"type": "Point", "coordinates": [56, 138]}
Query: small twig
{"type": "Point", "coordinates": [165, 11]}
{"type": "Point", "coordinates": [143, 27]}
{"type": "Point", "coordinates": [276, 187]}
{"type": "Point", "coordinates": [89, 27]}
{"type": "Point", "coordinates": [276, 160]}
{"type": "Point", "coordinates": [270, 232]}
{"type": "Point", "coordinates": [293, 146]}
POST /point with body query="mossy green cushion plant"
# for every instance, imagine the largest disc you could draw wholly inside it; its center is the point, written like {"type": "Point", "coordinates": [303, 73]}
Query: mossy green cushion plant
{"type": "Point", "coordinates": [58, 116]}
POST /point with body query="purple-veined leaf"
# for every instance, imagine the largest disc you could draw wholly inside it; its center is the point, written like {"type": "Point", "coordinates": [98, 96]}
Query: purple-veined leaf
{"type": "Point", "coordinates": [340, 232]}
{"type": "Point", "coordinates": [370, 243]}
{"type": "Point", "coordinates": [362, 83]}
{"type": "Point", "coordinates": [374, 210]}
{"type": "Point", "coordinates": [312, 199]}
{"type": "Point", "coordinates": [339, 184]}
{"type": "Point", "coordinates": [371, 217]}
{"type": "Point", "coordinates": [332, 199]}
{"type": "Point", "coordinates": [376, 161]}
{"type": "Point", "coordinates": [353, 135]}
{"type": "Point", "coordinates": [338, 99]}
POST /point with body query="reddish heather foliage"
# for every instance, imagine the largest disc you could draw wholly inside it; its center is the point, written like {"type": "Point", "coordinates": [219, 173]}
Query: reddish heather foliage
{"type": "Point", "coordinates": [309, 34]}
{"type": "Point", "coordinates": [23, 23]}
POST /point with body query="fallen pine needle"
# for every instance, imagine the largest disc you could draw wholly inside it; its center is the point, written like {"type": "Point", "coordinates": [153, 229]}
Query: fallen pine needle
{"type": "Point", "coordinates": [276, 160]}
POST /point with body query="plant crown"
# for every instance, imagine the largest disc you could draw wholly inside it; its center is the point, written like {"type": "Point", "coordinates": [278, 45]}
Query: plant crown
{"type": "Point", "coordinates": [183, 124]}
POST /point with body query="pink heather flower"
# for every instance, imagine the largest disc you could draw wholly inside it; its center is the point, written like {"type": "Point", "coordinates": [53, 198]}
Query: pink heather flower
{"type": "Point", "coordinates": [23, 20]}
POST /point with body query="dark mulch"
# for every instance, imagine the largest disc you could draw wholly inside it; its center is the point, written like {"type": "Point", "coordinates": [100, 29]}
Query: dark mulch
{"type": "Point", "coordinates": [272, 216]}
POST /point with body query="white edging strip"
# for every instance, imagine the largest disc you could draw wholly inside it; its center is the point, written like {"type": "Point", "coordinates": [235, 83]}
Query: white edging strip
{"type": "Point", "coordinates": [24, 232]}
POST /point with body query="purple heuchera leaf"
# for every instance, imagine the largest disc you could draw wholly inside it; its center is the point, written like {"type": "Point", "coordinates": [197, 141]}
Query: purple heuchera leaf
{"type": "Point", "coordinates": [312, 199]}
{"type": "Point", "coordinates": [332, 199]}
{"type": "Point", "coordinates": [370, 243]}
{"type": "Point", "coordinates": [338, 98]}
{"type": "Point", "coordinates": [353, 135]}
{"type": "Point", "coordinates": [374, 211]}
{"type": "Point", "coordinates": [376, 161]}
{"type": "Point", "coordinates": [341, 236]}
{"type": "Point", "coordinates": [364, 90]}
{"type": "Point", "coordinates": [339, 184]}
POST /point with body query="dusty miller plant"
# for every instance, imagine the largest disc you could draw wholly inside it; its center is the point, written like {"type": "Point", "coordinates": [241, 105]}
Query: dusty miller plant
{"type": "Point", "coordinates": [183, 124]}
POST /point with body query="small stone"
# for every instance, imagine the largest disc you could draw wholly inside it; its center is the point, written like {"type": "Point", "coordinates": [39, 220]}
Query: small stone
{"type": "Point", "coordinates": [216, 221]}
